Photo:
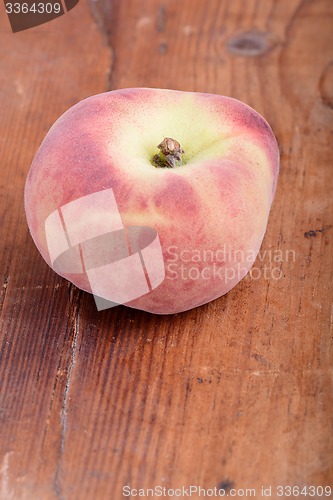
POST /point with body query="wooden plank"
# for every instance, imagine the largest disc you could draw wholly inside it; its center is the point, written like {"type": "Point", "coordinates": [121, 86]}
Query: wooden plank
{"type": "Point", "coordinates": [236, 393]}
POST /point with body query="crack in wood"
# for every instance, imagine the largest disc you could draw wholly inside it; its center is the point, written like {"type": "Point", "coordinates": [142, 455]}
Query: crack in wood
{"type": "Point", "coordinates": [314, 232]}
{"type": "Point", "coordinates": [3, 292]}
{"type": "Point", "coordinates": [75, 318]}
{"type": "Point", "coordinates": [160, 22]}
{"type": "Point", "coordinates": [99, 19]}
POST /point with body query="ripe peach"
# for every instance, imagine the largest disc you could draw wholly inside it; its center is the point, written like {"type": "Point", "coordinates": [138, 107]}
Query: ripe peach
{"type": "Point", "coordinates": [209, 208]}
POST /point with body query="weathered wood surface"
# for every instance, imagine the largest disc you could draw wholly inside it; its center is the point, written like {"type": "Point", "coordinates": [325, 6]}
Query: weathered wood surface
{"type": "Point", "coordinates": [238, 391]}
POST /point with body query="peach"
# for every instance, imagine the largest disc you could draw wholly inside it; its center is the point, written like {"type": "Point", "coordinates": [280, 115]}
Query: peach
{"type": "Point", "coordinates": [198, 169]}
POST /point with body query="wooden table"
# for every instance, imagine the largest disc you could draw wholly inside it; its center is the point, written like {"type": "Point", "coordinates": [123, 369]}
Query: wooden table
{"type": "Point", "coordinates": [236, 394]}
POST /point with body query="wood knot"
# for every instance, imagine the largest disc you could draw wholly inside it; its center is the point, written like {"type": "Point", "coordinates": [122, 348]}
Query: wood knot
{"type": "Point", "coordinates": [250, 43]}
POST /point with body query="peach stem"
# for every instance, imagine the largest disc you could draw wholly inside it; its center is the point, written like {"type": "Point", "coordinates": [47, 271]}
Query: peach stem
{"type": "Point", "coordinates": [170, 155]}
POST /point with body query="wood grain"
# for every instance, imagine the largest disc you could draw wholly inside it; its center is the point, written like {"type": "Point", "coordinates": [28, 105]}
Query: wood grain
{"type": "Point", "coordinates": [237, 393]}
